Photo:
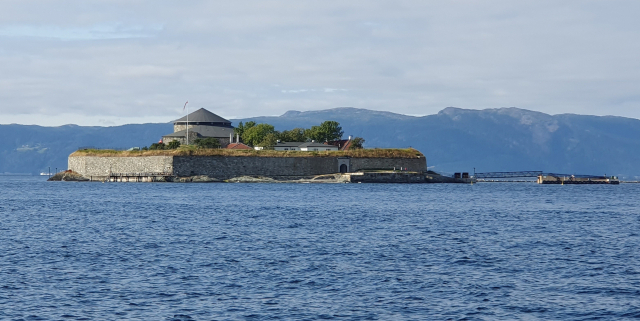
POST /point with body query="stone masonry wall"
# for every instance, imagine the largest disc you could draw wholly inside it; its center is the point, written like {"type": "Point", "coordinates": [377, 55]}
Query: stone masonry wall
{"type": "Point", "coordinates": [387, 177]}
{"type": "Point", "coordinates": [183, 140]}
{"type": "Point", "coordinates": [101, 166]}
{"type": "Point", "coordinates": [228, 167]}
{"type": "Point", "coordinates": [412, 164]}
{"type": "Point", "coordinates": [177, 128]}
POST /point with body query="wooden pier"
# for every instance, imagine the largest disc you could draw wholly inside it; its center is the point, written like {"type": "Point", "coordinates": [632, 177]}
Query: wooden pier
{"type": "Point", "coordinates": [139, 177]}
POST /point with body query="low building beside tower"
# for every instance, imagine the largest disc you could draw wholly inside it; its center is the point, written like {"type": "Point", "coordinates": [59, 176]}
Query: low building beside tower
{"type": "Point", "coordinates": [202, 124]}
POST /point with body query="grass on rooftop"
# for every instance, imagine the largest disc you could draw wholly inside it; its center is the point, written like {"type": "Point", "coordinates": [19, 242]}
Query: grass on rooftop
{"type": "Point", "coordinates": [193, 151]}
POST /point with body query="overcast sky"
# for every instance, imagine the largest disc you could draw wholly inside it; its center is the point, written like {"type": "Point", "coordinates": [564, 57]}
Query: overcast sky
{"type": "Point", "coordinates": [115, 62]}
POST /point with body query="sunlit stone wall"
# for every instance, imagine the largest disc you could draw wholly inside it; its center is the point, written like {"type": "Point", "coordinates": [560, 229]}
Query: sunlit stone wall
{"type": "Point", "coordinates": [225, 167]}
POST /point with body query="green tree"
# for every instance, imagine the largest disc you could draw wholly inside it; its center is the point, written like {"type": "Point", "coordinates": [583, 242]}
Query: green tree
{"type": "Point", "coordinates": [331, 130]}
{"type": "Point", "coordinates": [294, 135]}
{"type": "Point", "coordinates": [270, 140]}
{"type": "Point", "coordinates": [208, 142]}
{"type": "Point", "coordinates": [255, 135]}
{"type": "Point", "coordinates": [357, 143]}
{"type": "Point", "coordinates": [241, 128]}
{"type": "Point", "coordinates": [174, 144]}
{"type": "Point", "coordinates": [311, 133]}
{"type": "Point", "coordinates": [327, 131]}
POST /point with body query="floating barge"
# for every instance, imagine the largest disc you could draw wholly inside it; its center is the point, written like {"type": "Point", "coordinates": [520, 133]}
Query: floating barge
{"type": "Point", "coordinates": [561, 179]}
{"type": "Point", "coordinates": [550, 178]}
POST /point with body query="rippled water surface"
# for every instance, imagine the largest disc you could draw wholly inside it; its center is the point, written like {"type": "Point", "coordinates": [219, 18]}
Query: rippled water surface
{"type": "Point", "coordinates": [154, 251]}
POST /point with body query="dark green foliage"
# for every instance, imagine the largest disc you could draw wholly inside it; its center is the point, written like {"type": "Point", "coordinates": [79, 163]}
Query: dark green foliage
{"type": "Point", "coordinates": [357, 143]}
{"type": "Point", "coordinates": [173, 144]}
{"type": "Point", "coordinates": [265, 135]}
{"type": "Point", "coordinates": [254, 135]}
{"type": "Point", "coordinates": [241, 128]}
{"type": "Point", "coordinates": [269, 141]}
{"type": "Point", "coordinates": [327, 131]}
{"type": "Point", "coordinates": [208, 142]}
{"type": "Point", "coordinates": [294, 135]}
{"type": "Point", "coordinates": [145, 148]}
{"type": "Point", "coordinates": [157, 146]}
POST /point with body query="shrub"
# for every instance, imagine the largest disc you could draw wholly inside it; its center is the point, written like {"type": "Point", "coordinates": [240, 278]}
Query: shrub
{"type": "Point", "coordinates": [208, 142]}
{"type": "Point", "coordinates": [357, 142]}
{"type": "Point", "coordinates": [157, 146]}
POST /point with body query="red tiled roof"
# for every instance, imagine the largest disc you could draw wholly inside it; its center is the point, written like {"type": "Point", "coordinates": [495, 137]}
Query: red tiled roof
{"type": "Point", "coordinates": [343, 144]}
{"type": "Point", "coordinates": [238, 146]}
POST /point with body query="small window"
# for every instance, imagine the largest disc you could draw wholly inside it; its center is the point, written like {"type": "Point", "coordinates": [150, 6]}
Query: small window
{"type": "Point", "coordinates": [286, 149]}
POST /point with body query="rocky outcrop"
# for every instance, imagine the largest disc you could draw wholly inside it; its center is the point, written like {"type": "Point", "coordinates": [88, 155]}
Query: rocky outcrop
{"type": "Point", "coordinates": [68, 176]}
{"type": "Point", "coordinates": [195, 179]}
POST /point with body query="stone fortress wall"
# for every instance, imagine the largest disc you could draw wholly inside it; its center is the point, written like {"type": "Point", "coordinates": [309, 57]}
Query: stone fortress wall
{"type": "Point", "coordinates": [229, 167]}
{"type": "Point", "coordinates": [411, 164]}
{"type": "Point", "coordinates": [177, 128]}
{"type": "Point", "coordinates": [225, 167]}
{"type": "Point", "coordinates": [89, 166]}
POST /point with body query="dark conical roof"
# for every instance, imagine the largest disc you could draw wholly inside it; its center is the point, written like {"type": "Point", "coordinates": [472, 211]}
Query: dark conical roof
{"type": "Point", "coordinates": [202, 116]}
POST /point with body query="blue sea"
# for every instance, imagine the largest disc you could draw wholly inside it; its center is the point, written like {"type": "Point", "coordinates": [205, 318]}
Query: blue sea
{"type": "Point", "coordinates": [170, 251]}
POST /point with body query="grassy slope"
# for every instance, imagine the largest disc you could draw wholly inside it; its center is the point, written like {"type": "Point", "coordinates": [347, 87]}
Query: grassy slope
{"type": "Point", "coordinates": [191, 151]}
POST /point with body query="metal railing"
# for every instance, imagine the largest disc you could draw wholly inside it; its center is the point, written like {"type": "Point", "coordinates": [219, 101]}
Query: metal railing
{"type": "Point", "coordinates": [508, 174]}
{"type": "Point", "coordinates": [139, 174]}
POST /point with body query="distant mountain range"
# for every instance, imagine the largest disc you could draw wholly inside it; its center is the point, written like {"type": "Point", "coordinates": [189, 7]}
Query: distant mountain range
{"type": "Point", "coordinates": [504, 139]}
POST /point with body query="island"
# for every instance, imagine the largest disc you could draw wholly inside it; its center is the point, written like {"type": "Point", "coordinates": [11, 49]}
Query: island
{"type": "Point", "coordinates": [204, 147]}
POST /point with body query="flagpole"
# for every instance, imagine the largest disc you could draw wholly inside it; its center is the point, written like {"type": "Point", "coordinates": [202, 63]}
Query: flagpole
{"type": "Point", "coordinates": [187, 125]}
{"type": "Point", "coordinates": [185, 105]}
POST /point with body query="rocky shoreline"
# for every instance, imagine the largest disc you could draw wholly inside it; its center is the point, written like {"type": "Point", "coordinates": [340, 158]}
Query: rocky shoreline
{"type": "Point", "coordinates": [358, 177]}
{"type": "Point", "coordinates": [67, 176]}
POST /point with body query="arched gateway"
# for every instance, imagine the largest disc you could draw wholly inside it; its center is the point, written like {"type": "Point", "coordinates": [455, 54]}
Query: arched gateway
{"type": "Point", "coordinates": [344, 165]}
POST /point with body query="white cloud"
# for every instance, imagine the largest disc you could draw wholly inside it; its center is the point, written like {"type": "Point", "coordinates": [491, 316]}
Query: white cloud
{"type": "Point", "coordinates": [142, 71]}
{"type": "Point", "coordinates": [124, 61]}
{"type": "Point", "coordinates": [324, 90]}
{"type": "Point", "coordinates": [95, 32]}
{"type": "Point", "coordinates": [331, 90]}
